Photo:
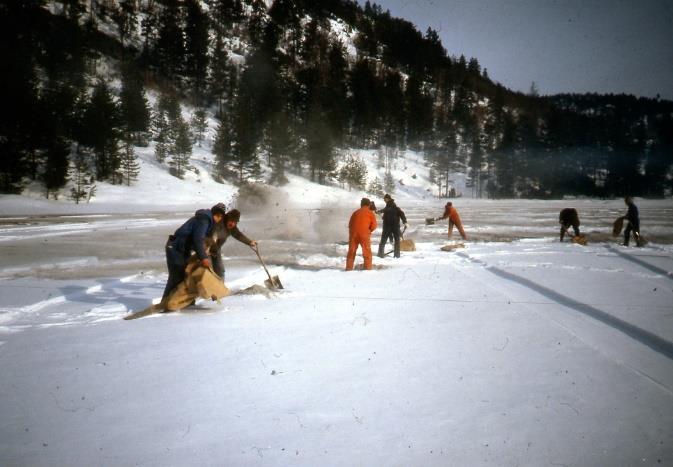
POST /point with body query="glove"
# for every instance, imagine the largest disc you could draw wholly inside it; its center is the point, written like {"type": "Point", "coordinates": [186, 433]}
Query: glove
{"type": "Point", "coordinates": [205, 262]}
{"type": "Point", "coordinates": [406, 226]}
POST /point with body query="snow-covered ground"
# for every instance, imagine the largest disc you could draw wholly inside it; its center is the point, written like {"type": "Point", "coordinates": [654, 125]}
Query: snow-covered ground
{"type": "Point", "coordinates": [515, 350]}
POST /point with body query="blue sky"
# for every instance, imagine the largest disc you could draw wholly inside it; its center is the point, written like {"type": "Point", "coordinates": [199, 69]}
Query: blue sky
{"type": "Point", "coordinates": [563, 45]}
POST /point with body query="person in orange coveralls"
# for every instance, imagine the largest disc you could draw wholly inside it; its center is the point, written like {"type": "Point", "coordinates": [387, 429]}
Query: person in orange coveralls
{"type": "Point", "coordinates": [360, 228]}
{"type": "Point", "coordinates": [454, 219]}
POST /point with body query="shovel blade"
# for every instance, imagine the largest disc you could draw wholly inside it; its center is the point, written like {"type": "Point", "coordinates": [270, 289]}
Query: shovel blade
{"type": "Point", "coordinates": [273, 283]}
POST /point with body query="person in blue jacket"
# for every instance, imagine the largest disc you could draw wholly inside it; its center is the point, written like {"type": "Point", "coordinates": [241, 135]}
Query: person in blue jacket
{"type": "Point", "coordinates": [189, 237]}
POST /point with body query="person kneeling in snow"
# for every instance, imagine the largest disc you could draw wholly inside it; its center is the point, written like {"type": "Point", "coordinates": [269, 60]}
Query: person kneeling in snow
{"type": "Point", "coordinates": [189, 237]}
{"type": "Point", "coordinates": [360, 228]}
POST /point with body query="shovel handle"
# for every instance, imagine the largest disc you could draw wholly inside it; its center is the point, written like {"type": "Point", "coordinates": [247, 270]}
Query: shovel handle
{"type": "Point", "coordinates": [256, 250]}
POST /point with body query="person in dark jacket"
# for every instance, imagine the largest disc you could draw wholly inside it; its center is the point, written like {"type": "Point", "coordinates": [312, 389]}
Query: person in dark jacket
{"type": "Point", "coordinates": [391, 225]}
{"type": "Point", "coordinates": [568, 217]}
{"type": "Point", "coordinates": [634, 222]}
{"type": "Point", "coordinates": [189, 237]}
{"type": "Point", "coordinates": [220, 233]}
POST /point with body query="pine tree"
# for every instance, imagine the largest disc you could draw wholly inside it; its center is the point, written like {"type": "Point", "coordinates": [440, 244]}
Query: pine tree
{"type": "Point", "coordinates": [81, 179]}
{"type": "Point", "coordinates": [125, 17]}
{"type": "Point", "coordinates": [223, 148]}
{"type": "Point", "coordinates": [170, 44]}
{"type": "Point", "coordinates": [101, 131]}
{"type": "Point", "coordinates": [55, 174]}
{"type": "Point", "coordinates": [133, 106]}
{"type": "Point", "coordinates": [181, 150]}
{"type": "Point", "coordinates": [376, 188]}
{"type": "Point", "coordinates": [280, 146]}
{"type": "Point", "coordinates": [353, 173]}
{"type": "Point", "coordinates": [129, 165]}
{"type": "Point", "coordinates": [389, 182]}
{"type": "Point", "coordinates": [199, 125]}
{"type": "Point", "coordinates": [196, 48]}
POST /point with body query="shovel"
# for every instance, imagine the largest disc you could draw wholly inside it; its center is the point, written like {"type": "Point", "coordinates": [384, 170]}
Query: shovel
{"type": "Point", "coordinates": [401, 240]}
{"type": "Point", "coordinates": [271, 282]}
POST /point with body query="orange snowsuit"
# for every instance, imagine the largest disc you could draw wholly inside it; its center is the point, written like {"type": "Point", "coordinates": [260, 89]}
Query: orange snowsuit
{"type": "Point", "coordinates": [454, 219]}
{"type": "Point", "coordinates": [360, 228]}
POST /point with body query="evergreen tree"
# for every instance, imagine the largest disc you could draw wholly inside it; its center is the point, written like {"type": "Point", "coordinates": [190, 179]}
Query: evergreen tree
{"type": "Point", "coordinates": [226, 13]}
{"type": "Point", "coordinates": [199, 125]}
{"type": "Point", "coordinates": [196, 48]}
{"type": "Point", "coordinates": [125, 17]}
{"type": "Point", "coordinates": [419, 112]}
{"type": "Point", "coordinates": [353, 173]}
{"type": "Point", "coordinates": [364, 102]}
{"type": "Point", "coordinates": [133, 106]}
{"type": "Point", "coordinates": [181, 150]}
{"type": "Point", "coordinates": [83, 186]}
{"type": "Point", "coordinates": [223, 77]}
{"type": "Point", "coordinates": [376, 188]}
{"type": "Point", "coordinates": [101, 131]}
{"type": "Point", "coordinates": [55, 174]}
{"type": "Point", "coordinates": [129, 168]}
{"type": "Point", "coordinates": [223, 148]}
{"type": "Point", "coordinates": [389, 182]}
{"type": "Point", "coordinates": [280, 146]}
{"type": "Point", "coordinates": [170, 44]}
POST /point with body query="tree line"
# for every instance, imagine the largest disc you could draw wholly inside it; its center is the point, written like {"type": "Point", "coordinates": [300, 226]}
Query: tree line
{"type": "Point", "coordinates": [292, 86]}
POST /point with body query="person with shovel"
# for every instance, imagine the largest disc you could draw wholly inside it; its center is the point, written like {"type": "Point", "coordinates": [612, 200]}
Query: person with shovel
{"type": "Point", "coordinates": [228, 227]}
{"type": "Point", "coordinates": [189, 237]}
{"type": "Point", "coordinates": [360, 227]}
{"type": "Point", "coordinates": [633, 219]}
{"type": "Point", "coordinates": [568, 217]}
{"type": "Point", "coordinates": [454, 219]}
{"type": "Point", "coordinates": [391, 225]}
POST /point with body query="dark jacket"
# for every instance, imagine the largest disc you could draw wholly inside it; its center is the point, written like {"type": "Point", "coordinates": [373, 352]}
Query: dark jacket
{"type": "Point", "coordinates": [568, 216]}
{"type": "Point", "coordinates": [392, 215]}
{"type": "Point", "coordinates": [632, 215]}
{"type": "Point", "coordinates": [190, 236]}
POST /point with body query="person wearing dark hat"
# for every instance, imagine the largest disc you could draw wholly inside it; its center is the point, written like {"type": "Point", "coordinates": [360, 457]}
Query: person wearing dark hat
{"type": "Point", "coordinates": [360, 227]}
{"type": "Point", "coordinates": [189, 237]}
{"type": "Point", "coordinates": [219, 235]}
{"type": "Point", "coordinates": [391, 225]}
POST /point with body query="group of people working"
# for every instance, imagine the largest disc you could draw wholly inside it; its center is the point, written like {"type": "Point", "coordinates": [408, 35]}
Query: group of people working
{"type": "Point", "coordinates": [363, 222]}
{"type": "Point", "coordinates": [206, 232]}
{"type": "Point", "coordinates": [569, 217]}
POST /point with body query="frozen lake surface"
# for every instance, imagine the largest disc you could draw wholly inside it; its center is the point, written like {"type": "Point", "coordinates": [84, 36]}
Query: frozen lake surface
{"type": "Point", "coordinates": [515, 350]}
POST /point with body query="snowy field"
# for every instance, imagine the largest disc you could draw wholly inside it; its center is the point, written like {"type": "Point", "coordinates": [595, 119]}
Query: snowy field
{"type": "Point", "coordinates": [515, 350]}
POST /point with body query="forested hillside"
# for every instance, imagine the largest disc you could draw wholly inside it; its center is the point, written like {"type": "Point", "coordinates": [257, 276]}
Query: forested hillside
{"type": "Point", "coordinates": [293, 84]}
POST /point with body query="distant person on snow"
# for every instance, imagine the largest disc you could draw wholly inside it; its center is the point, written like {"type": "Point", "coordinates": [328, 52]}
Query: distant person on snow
{"type": "Point", "coordinates": [189, 237]}
{"type": "Point", "coordinates": [360, 227]}
{"type": "Point", "coordinates": [220, 233]}
{"type": "Point", "coordinates": [634, 222]}
{"type": "Point", "coordinates": [391, 225]}
{"type": "Point", "coordinates": [454, 219]}
{"type": "Point", "coordinates": [568, 217]}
